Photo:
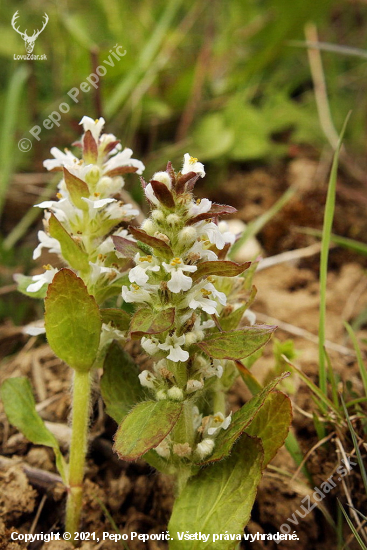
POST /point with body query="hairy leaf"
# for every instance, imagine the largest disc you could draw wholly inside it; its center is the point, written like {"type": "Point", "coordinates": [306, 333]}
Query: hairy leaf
{"type": "Point", "coordinates": [163, 194]}
{"type": "Point", "coordinates": [126, 247]}
{"type": "Point", "coordinates": [72, 321]}
{"type": "Point", "coordinates": [77, 189]}
{"type": "Point", "coordinates": [71, 251]}
{"type": "Point", "coordinates": [120, 385]}
{"type": "Point", "coordinates": [221, 268]}
{"type": "Point", "coordinates": [142, 236]}
{"type": "Point", "coordinates": [145, 427]}
{"type": "Point", "coordinates": [90, 149]}
{"type": "Point", "coordinates": [240, 421]}
{"type": "Point", "coordinates": [219, 499]}
{"type": "Point", "coordinates": [147, 321]}
{"type": "Point", "coordinates": [20, 408]}
{"type": "Point", "coordinates": [237, 344]}
{"type": "Point", "coordinates": [271, 424]}
{"type": "Point", "coordinates": [215, 211]}
{"type": "Point", "coordinates": [117, 317]}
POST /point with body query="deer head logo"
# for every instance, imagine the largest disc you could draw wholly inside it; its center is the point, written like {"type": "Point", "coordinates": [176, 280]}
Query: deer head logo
{"type": "Point", "coordinates": [29, 40]}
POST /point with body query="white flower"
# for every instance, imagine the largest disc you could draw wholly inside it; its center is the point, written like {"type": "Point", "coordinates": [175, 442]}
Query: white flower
{"type": "Point", "coordinates": [34, 329]}
{"type": "Point", "coordinates": [149, 193]}
{"type": "Point", "coordinates": [109, 186]}
{"type": "Point", "coordinates": [199, 248]}
{"type": "Point", "coordinates": [139, 274]}
{"type": "Point", "coordinates": [212, 370]}
{"type": "Point", "coordinates": [108, 334]}
{"type": "Point", "coordinates": [147, 379]}
{"type": "Point", "coordinates": [191, 164]}
{"type": "Point", "coordinates": [212, 231]}
{"type": "Point", "coordinates": [172, 344]}
{"type": "Point", "coordinates": [137, 294]}
{"type": "Point", "coordinates": [196, 417]}
{"type": "Point", "coordinates": [95, 126]}
{"type": "Point", "coordinates": [61, 159]}
{"type": "Point", "coordinates": [64, 211]}
{"type": "Point", "coordinates": [178, 280]}
{"type": "Point", "coordinates": [97, 203]}
{"type": "Point", "coordinates": [101, 273]}
{"type": "Point", "coordinates": [150, 345]}
{"type": "Point", "coordinates": [194, 385]}
{"type": "Point", "coordinates": [250, 316]}
{"type": "Point", "coordinates": [46, 242]}
{"type": "Point", "coordinates": [199, 207]}
{"type": "Point", "coordinates": [123, 159]}
{"type": "Point", "coordinates": [120, 211]}
{"type": "Point", "coordinates": [199, 298]}
{"type": "Point", "coordinates": [228, 236]}
{"type": "Point", "coordinates": [40, 280]}
{"type": "Point", "coordinates": [218, 422]}
{"type": "Point", "coordinates": [205, 448]}
{"type": "Point", "coordinates": [163, 448]}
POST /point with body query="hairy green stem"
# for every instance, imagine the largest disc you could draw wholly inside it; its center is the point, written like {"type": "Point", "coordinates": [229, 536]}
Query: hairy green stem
{"type": "Point", "coordinates": [78, 447]}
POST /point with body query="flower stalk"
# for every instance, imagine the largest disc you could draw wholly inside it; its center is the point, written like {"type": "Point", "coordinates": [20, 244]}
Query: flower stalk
{"type": "Point", "coordinates": [78, 449]}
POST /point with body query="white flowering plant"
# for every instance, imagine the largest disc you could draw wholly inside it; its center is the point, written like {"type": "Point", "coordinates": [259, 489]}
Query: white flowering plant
{"type": "Point", "coordinates": [191, 315]}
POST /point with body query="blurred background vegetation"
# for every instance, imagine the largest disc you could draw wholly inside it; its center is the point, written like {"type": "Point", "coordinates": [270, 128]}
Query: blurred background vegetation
{"type": "Point", "coordinates": [230, 82]}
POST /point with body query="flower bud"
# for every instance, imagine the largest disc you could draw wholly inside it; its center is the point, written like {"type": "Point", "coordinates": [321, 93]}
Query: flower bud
{"type": "Point", "coordinates": [187, 235]}
{"type": "Point", "coordinates": [163, 177]}
{"type": "Point", "coordinates": [158, 216]}
{"type": "Point", "coordinates": [161, 395]}
{"type": "Point", "coordinates": [194, 385]}
{"type": "Point", "coordinates": [173, 219]}
{"type": "Point", "coordinates": [93, 175]}
{"type": "Point", "coordinates": [175, 393]}
{"type": "Point", "coordinates": [148, 227]}
{"type": "Point", "coordinates": [205, 448]}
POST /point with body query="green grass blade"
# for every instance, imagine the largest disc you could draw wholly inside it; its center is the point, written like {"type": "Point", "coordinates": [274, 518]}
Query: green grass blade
{"type": "Point", "coordinates": [344, 242]}
{"type": "Point", "coordinates": [11, 113]}
{"type": "Point", "coordinates": [353, 529]}
{"type": "Point", "coordinates": [147, 55]}
{"type": "Point", "coordinates": [328, 222]}
{"type": "Point", "coordinates": [292, 446]}
{"type": "Point", "coordinates": [356, 447]}
{"type": "Point", "coordinates": [255, 226]}
{"type": "Point", "coordinates": [357, 349]}
{"type": "Point", "coordinates": [332, 380]}
{"type": "Point", "coordinates": [325, 401]}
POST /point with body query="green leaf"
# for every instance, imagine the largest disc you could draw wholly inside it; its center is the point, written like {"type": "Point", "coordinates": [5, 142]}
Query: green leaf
{"type": "Point", "coordinates": [219, 499]}
{"type": "Point", "coordinates": [90, 148]}
{"type": "Point", "coordinates": [147, 321]}
{"type": "Point", "coordinates": [163, 194]}
{"type": "Point", "coordinates": [71, 251]}
{"type": "Point", "coordinates": [120, 386]}
{"type": "Point", "coordinates": [126, 247]}
{"type": "Point", "coordinates": [153, 242]}
{"type": "Point", "coordinates": [77, 189]}
{"type": "Point", "coordinates": [240, 421]}
{"type": "Point", "coordinates": [23, 283]}
{"type": "Point", "coordinates": [118, 318]}
{"type": "Point", "coordinates": [20, 408]}
{"type": "Point", "coordinates": [237, 344]}
{"type": "Point", "coordinates": [271, 424]}
{"type": "Point", "coordinates": [145, 427]}
{"type": "Point", "coordinates": [72, 321]}
{"type": "Point", "coordinates": [221, 268]}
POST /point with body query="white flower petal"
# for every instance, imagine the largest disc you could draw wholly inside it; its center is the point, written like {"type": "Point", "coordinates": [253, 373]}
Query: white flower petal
{"type": "Point", "coordinates": [192, 165]}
